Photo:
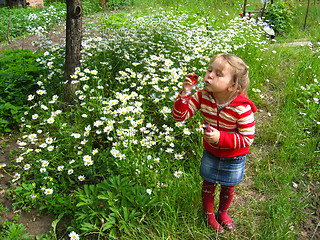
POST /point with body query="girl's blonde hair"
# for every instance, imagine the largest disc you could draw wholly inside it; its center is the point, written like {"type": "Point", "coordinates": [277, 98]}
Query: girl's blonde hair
{"type": "Point", "coordinates": [241, 74]}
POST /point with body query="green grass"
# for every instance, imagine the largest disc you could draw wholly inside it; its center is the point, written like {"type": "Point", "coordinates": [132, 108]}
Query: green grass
{"type": "Point", "coordinates": [310, 31]}
{"type": "Point", "coordinates": [274, 199]}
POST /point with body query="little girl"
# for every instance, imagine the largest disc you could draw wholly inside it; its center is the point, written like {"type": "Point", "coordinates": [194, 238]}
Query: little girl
{"type": "Point", "coordinates": [230, 127]}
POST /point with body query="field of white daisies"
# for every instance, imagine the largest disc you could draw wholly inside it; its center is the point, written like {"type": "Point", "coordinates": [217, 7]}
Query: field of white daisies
{"type": "Point", "coordinates": [116, 165]}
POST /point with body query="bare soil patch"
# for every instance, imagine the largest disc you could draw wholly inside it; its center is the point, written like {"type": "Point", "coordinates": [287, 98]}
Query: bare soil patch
{"type": "Point", "coordinates": [56, 36]}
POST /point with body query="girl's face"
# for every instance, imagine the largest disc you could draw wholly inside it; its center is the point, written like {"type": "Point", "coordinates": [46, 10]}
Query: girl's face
{"type": "Point", "coordinates": [219, 78]}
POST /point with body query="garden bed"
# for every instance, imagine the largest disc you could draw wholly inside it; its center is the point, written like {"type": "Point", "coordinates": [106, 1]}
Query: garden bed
{"type": "Point", "coordinates": [263, 201]}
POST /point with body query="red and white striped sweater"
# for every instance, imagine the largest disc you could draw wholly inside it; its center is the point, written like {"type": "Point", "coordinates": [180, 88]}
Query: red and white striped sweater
{"type": "Point", "coordinates": [235, 121]}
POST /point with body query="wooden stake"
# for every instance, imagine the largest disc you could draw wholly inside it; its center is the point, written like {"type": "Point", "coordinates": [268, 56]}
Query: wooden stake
{"type": "Point", "coordinates": [305, 20]}
{"type": "Point", "coordinates": [8, 33]}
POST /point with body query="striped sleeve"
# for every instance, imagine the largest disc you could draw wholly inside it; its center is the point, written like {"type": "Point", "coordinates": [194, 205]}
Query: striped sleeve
{"type": "Point", "coordinates": [185, 107]}
{"type": "Point", "coordinates": [244, 136]}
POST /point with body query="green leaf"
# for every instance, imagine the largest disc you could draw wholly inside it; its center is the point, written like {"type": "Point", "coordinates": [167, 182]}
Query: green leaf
{"type": "Point", "coordinates": [3, 121]}
{"type": "Point", "coordinates": [113, 233]}
{"type": "Point", "coordinates": [103, 197]}
{"type": "Point", "coordinates": [125, 214]}
{"type": "Point", "coordinates": [88, 227]}
{"type": "Point", "coordinates": [107, 226]}
{"type": "Point", "coordinates": [81, 204]}
{"type": "Point", "coordinates": [56, 221]}
{"type": "Point", "coordinates": [115, 210]}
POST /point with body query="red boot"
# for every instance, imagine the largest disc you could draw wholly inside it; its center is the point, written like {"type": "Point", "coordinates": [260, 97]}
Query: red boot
{"type": "Point", "coordinates": [208, 190]}
{"type": "Point", "coordinates": [226, 197]}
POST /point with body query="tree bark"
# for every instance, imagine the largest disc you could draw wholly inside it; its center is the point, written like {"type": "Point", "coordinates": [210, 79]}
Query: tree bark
{"type": "Point", "coordinates": [73, 46]}
{"type": "Point", "coordinates": [9, 2]}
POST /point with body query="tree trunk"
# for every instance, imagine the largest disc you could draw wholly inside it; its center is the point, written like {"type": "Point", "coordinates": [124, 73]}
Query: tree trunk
{"type": "Point", "coordinates": [10, 3]}
{"type": "Point", "coordinates": [73, 46]}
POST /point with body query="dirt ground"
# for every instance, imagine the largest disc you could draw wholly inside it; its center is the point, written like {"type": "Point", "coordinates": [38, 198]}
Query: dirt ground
{"type": "Point", "coordinates": [40, 224]}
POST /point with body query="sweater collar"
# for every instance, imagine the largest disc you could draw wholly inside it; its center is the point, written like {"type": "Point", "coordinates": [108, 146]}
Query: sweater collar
{"type": "Point", "coordinates": [242, 99]}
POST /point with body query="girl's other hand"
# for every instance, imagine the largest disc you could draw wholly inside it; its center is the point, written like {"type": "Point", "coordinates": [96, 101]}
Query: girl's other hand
{"type": "Point", "coordinates": [213, 136]}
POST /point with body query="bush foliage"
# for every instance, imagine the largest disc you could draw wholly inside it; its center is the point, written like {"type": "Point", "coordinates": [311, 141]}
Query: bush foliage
{"type": "Point", "coordinates": [18, 73]}
{"type": "Point", "coordinates": [280, 17]}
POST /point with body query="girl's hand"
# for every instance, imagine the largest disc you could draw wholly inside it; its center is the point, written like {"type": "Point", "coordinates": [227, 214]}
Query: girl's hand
{"type": "Point", "coordinates": [213, 136]}
{"type": "Point", "coordinates": [188, 85]}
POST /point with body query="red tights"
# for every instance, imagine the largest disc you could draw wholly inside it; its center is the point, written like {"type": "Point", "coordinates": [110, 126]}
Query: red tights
{"type": "Point", "coordinates": [226, 196]}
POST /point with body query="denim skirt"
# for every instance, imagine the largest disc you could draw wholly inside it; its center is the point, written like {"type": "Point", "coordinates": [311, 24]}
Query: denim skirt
{"type": "Point", "coordinates": [224, 171]}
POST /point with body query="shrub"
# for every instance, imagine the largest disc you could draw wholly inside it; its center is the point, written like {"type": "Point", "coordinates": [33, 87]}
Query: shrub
{"type": "Point", "coordinates": [113, 206]}
{"type": "Point", "coordinates": [18, 73]}
{"type": "Point", "coordinates": [280, 17]}
{"type": "Point", "coordinates": [12, 230]}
